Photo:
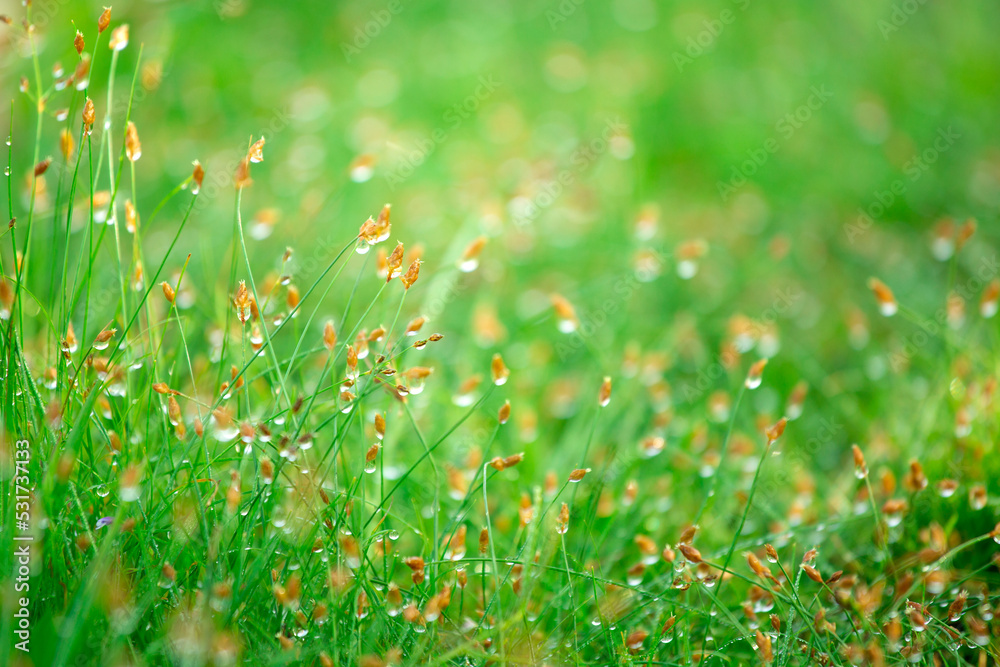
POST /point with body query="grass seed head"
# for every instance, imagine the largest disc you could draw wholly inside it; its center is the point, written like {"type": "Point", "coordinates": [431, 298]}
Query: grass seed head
{"type": "Point", "coordinates": [604, 394]}
{"type": "Point", "coordinates": [168, 292]}
{"type": "Point", "coordinates": [764, 649]}
{"type": "Point", "coordinates": [104, 20]}
{"type": "Point", "coordinates": [504, 413]}
{"type": "Point", "coordinates": [774, 431]}
{"type": "Point", "coordinates": [753, 379]}
{"type": "Point", "coordinates": [499, 370]}
{"type": "Point", "coordinates": [394, 262]}
{"type": "Point", "coordinates": [860, 467]}
{"type": "Point", "coordinates": [470, 257]}
{"type": "Point", "coordinates": [243, 302]}
{"type": "Point", "coordinates": [562, 524]}
{"type": "Point", "coordinates": [565, 314]}
{"type": "Point", "coordinates": [411, 274]}
{"type": "Point", "coordinates": [119, 38]}
{"type": "Point", "coordinates": [66, 143]}
{"type": "Point", "coordinates": [256, 151]}
{"type": "Point", "coordinates": [690, 553]}
{"type": "Point", "coordinates": [883, 295]}
{"type": "Point", "coordinates": [988, 303]}
{"type": "Point", "coordinates": [241, 178]}
{"type": "Point", "coordinates": [133, 147]}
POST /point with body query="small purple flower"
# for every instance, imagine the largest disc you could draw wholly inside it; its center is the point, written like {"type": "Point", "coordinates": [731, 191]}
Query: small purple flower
{"type": "Point", "coordinates": [104, 521]}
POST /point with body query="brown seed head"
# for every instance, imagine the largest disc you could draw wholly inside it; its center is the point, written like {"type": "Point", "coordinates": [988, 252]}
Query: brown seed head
{"type": "Point", "coordinates": [499, 371]}
{"type": "Point", "coordinates": [168, 292]}
{"type": "Point", "coordinates": [504, 414]}
{"type": "Point", "coordinates": [411, 274]}
{"type": "Point", "coordinates": [859, 458]}
{"type": "Point", "coordinates": [256, 152]}
{"type": "Point", "coordinates": [329, 335]}
{"type": "Point", "coordinates": [764, 648]}
{"type": "Point", "coordinates": [241, 178]}
{"type": "Point", "coordinates": [394, 262]}
{"type": "Point", "coordinates": [604, 395]}
{"type": "Point", "coordinates": [133, 147]}
{"type": "Point", "coordinates": [198, 176]}
{"type": "Point", "coordinates": [66, 143]}
{"type": "Point", "coordinates": [104, 21]}
{"type": "Point", "coordinates": [774, 431]}
{"type": "Point", "coordinates": [119, 38]}
{"type": "Point", "coordinates": [89, 116]}
{"type": "Point", "coordinates": [884, 296]}
{"type": "Point", "coordinates": [753, 375]}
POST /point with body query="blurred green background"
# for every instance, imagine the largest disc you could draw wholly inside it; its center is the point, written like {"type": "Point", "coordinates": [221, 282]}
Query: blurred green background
{"type": "Point", "coordinates": [552, 127]}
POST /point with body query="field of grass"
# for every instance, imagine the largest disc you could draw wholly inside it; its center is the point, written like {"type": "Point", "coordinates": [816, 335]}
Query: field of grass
{"type": "Point", "coordinates": [577, 332]}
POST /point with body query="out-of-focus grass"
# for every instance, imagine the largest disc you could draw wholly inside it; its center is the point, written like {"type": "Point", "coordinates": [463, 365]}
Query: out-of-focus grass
{"type": "Point", "coordinates": [788, 153]}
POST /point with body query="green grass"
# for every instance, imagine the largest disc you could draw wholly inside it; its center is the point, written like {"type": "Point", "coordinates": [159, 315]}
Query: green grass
{"type": "Point", "coordinates": [584, 199]}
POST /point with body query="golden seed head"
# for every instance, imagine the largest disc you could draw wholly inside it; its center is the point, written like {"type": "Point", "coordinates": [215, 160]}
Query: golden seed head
{"type": "Point", "coordinates": [513, 460]}
{"type": "Point", "coordinates": [131, 217]}
{"type": "Point", "coordinates": [499, 370]}
{"type": "Point", "coordinates": [198, 176]}
{"type": "Point", "coordinates": [256, 152]}
{"type": "Point", "coordinates": [78, 43]}
{"type": "Point", "coordinates": [578, 474]}
{"type": "Point", "coordinates": [604, 395]}
{"type": "Point", "coordinates": [168, 292]}
{"type": "Point", "coordinates": [106, 335]}
{"type": "Point", "coordinates": [293, 297]}
{"type": "Point", "coordinates": [243, 301]}
{"type": "Point", "coordinates": [241, 178]}
{"type": "Point", "coordinates": [504, 414]}
{"type": "Point", "coordinates": [394, 262]}
{"type": "Point", "coordinates": [372, 453]}
{"type": "Point", "coordinates": [119, 38]}
{"type": "Point", "coordinates": [104, 21]}
{"type": "Point", "coordinates": [133, 147]}
{"type": "Point", "coordinates": [66, 143]}
{"type": "Point", "coordinates": [564, 309]}
{"type": "Point", "coordinates": [690, 553]}
{"type": "Point", "coordinates": [859, 457]}
{"type": "Point", "coordinates": [564, 515]}
{"type": "Point", "coordinates": [329, 335]}
{"type": "Point", "coordinates": [411, 274]}
{"type": "Point", "coordinates": [755, 372]}
{"type": "Point", "coordinates": [755, 564]}
{"type": "Point", "coordinates": [884, 296]}
{"type": "Point", "coordinates": [764, 647]}
{"type": "Point", "coordinates": [965, 233]}
{"type": "Point", "coordinates": [774, 431]}
{"type": "Point", "coordinates": [484, 541]}
{"type": "Point", "coordinates": [415, 325]}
